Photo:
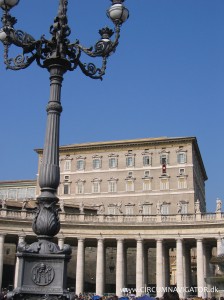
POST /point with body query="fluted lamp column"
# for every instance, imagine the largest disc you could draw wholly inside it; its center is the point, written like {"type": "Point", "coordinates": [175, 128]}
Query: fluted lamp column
{"type": "Point", "coordinates": [38, 275]}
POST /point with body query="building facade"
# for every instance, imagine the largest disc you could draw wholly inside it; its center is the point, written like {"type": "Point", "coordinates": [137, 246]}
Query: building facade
{"type": "Point", "coordinates": [144, 176]}
{"type": "Point", "coordinates": [134, 213]}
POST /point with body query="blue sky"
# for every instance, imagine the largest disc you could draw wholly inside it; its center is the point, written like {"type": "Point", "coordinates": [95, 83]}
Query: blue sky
{"type": "Point", "coordinates": [165, 79]}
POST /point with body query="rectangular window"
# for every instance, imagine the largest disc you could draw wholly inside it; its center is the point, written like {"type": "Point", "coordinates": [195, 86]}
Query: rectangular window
{"type": "Point", "coordinates": [184, 208]}
{"type": "Point", "coordinates": [111, 210]}
{"type": "Point", "coordinates": [96, 187]}
{"type": "Point", "coordinates": [146, 209]}
{"type": "Point", "coordinates": [66, 189]}
{"type": "Point", "coordinates": [67, 165]}
{"type": "Point", "coordinates": [129, 210]}
{"type": "Point", "coordinates": [112, 162]}
{"type": "Point", "coordinates": [181, 158]}
{"type": "Point", "coordinates": [146, 160]}
{"type": "Point", "coordinates": [12, 193]}
{"type": "Point", "coordinates": [130, 162]}
{"type": "Point", "coordinates": [96, 163]}
{"type": "Point", "coordinates": [3, 194]}
{"type": "Point", "coordinates": [80, 187]}
{"type": "Point", "coordinates": [146, 185]}
{"type": "Point", "coordinates": [129, 185]}
{"type": "Point", "coordinates": [165, 209]}
{"type": "Point", "coordinates": [80, 164]}
{"type": "Point", "coordinates": [182, 183]}
{"type": "Point", "coordinates": [164, 184]}
{"type": "Point", "coordinates": [112, 186]}
{"type": "Point", "coordinates": [181, 171]}
{"type": "Point", "coordinates": [164, 159]}
{"type": "Point", "coordinates": [146, 173]}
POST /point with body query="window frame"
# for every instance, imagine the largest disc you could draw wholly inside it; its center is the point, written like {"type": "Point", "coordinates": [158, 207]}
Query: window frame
{"type": "Point", "coordinates": [182, 157]}
{"type": "Point", "coordinates": [165, 209]}
{"type": "Point", "coordinates": [67, 165]}
{"type": "Point", "coordinates": [147, 183]}
{"type": "Point", "coordinates": [112, 186]}
{"type": "Point", "coordinates": [80, 187]}
{"type": "Point", "coordinates": [96, 183]}
{"type": "Point", "coordinates": [164, 184]}
{"type": "Point", "coordinates": [97, 166]}
{"type": "Point", "coordinates": [130, 185]}
{"type": "Point", "coordinates": [78, 165]}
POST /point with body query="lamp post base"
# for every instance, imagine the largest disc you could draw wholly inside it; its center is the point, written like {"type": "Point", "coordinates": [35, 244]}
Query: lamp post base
{"type": "Point", "coordinates": [41, 276]}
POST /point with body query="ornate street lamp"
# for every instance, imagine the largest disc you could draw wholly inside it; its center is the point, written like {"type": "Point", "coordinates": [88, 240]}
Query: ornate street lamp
{"type": "Point", "coordinates": [42, 265]}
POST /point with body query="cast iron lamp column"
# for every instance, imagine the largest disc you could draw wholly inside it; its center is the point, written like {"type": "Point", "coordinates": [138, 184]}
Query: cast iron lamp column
{"type": "Point", "coordinates": [40, 262]}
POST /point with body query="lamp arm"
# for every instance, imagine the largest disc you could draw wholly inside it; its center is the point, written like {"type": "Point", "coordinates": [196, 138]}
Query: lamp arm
{"type": "Point", "coordinates": [104, 47]}
{"type": "Point", "coordinates": [19, 62]}
{"type": "Point", "coordinates": [92, 71]}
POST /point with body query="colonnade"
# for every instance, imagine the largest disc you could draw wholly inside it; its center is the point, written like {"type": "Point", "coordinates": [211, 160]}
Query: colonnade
{"type": "Point", "coordinates": [183, 267]}
{"type": "Point", "coordinates": [183, 264]}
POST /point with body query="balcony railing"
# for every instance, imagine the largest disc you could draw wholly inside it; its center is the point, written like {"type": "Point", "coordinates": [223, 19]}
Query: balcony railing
{"type": "Point", "coordinates": [117, 219]}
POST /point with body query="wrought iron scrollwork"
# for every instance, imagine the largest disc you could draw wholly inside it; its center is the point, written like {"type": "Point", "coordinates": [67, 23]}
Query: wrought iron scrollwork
{"type": "Point", "coordinates": [58, 46]}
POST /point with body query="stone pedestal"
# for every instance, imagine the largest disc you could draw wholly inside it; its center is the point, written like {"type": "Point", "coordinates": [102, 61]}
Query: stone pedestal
{"type": "Point", "coordinates": [41, 276]}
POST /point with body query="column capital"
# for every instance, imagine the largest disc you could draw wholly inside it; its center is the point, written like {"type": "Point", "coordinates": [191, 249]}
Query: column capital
{"type": "Point", "coordinates": [159, 240]}
{"type": "Point", "coordinates": [100, 239]}
{"type": "Point", "coordinates": [80, 239]}
{"type": "Point", "coordinates": [21, 235]}
{"type": "Point", "coordinates": [61, 237]}
{"type": "Point", "coordinates": [139, 240]}
{"type": "Point", "coordinates": [199, 239]}
{"type": "Point", "coordinates": [120, 239]}
{"type": "Point", "coordinates": [179, 239]}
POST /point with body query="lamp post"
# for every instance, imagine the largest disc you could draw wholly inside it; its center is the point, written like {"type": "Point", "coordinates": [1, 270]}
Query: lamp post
{"type": "Point", "coordinates": [42, 265]}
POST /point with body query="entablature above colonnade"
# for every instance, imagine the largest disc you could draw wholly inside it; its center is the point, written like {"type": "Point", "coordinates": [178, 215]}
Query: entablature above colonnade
{"type": "Point", "coordinates": [149, 228]}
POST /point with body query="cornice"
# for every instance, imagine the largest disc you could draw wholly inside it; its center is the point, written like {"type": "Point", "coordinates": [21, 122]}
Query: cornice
{"type": "Point", "coordinates": [123, 143]}
{"type": "Point", "coordinates": [19, 182]}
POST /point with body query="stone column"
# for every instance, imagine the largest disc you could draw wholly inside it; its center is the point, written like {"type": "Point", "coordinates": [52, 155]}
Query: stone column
{"type": "Point", "coordinates": [187, 266]}
{"type": "Point", "coordinates": [2, 239]}
{"type": "Point", "coordinates": [21, 240]}
{"type": "Point", "coordinates": [200, 269]}
{"type": "Point", "coordinates": [61, 241]}
{"type": "Point", "coordinates": [145, 267]}
{"type": "Point", "coordinates": [139, 268]}
{"type": "Point", "coordinates": [100, 268]}
{"type": "Point", "coordinates": [120, 267]}
{"type": "Point", "coordinates": [208, 256]}
{"type": "Point", "coordinates": [219, 246]}
{"type": "Point", "coordinates": [179, 267]}
{"type": "Point", "coordinates": [80, 267]}
{"type": "Point", "coordinates": [159, 268]}
{"type": "Point", "coordinates": [125, 265]}
{"type": "Point", "coordinates": [166, 256]}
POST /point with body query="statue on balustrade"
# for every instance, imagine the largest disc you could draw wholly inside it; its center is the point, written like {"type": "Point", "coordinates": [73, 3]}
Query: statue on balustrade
{"type": "Point", "coordinates": [158, 208]}
{"type": "Point", "coordinates": [179, 207]}
{"type": "Point", "coordinates": [100, 209]}
{"type": "Point", "coordinates": [119, 207]}
{"type": "Point", "coordinates": [62, 205]}
{"type": "Point", "coordinates": [197, 207]}
{"type": "Point", "coordinates": [81, 208]}
{"type": "Point", "coordinates": [3, 202]}
{"type": "Point", "coordinates": [24, 204]}
{"type": "Point", "coordinates": [218, 205]}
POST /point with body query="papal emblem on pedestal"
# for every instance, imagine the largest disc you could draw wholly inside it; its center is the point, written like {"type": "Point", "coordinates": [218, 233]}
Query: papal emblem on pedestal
{"type": "Point", "coordinates": [42, 274]}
